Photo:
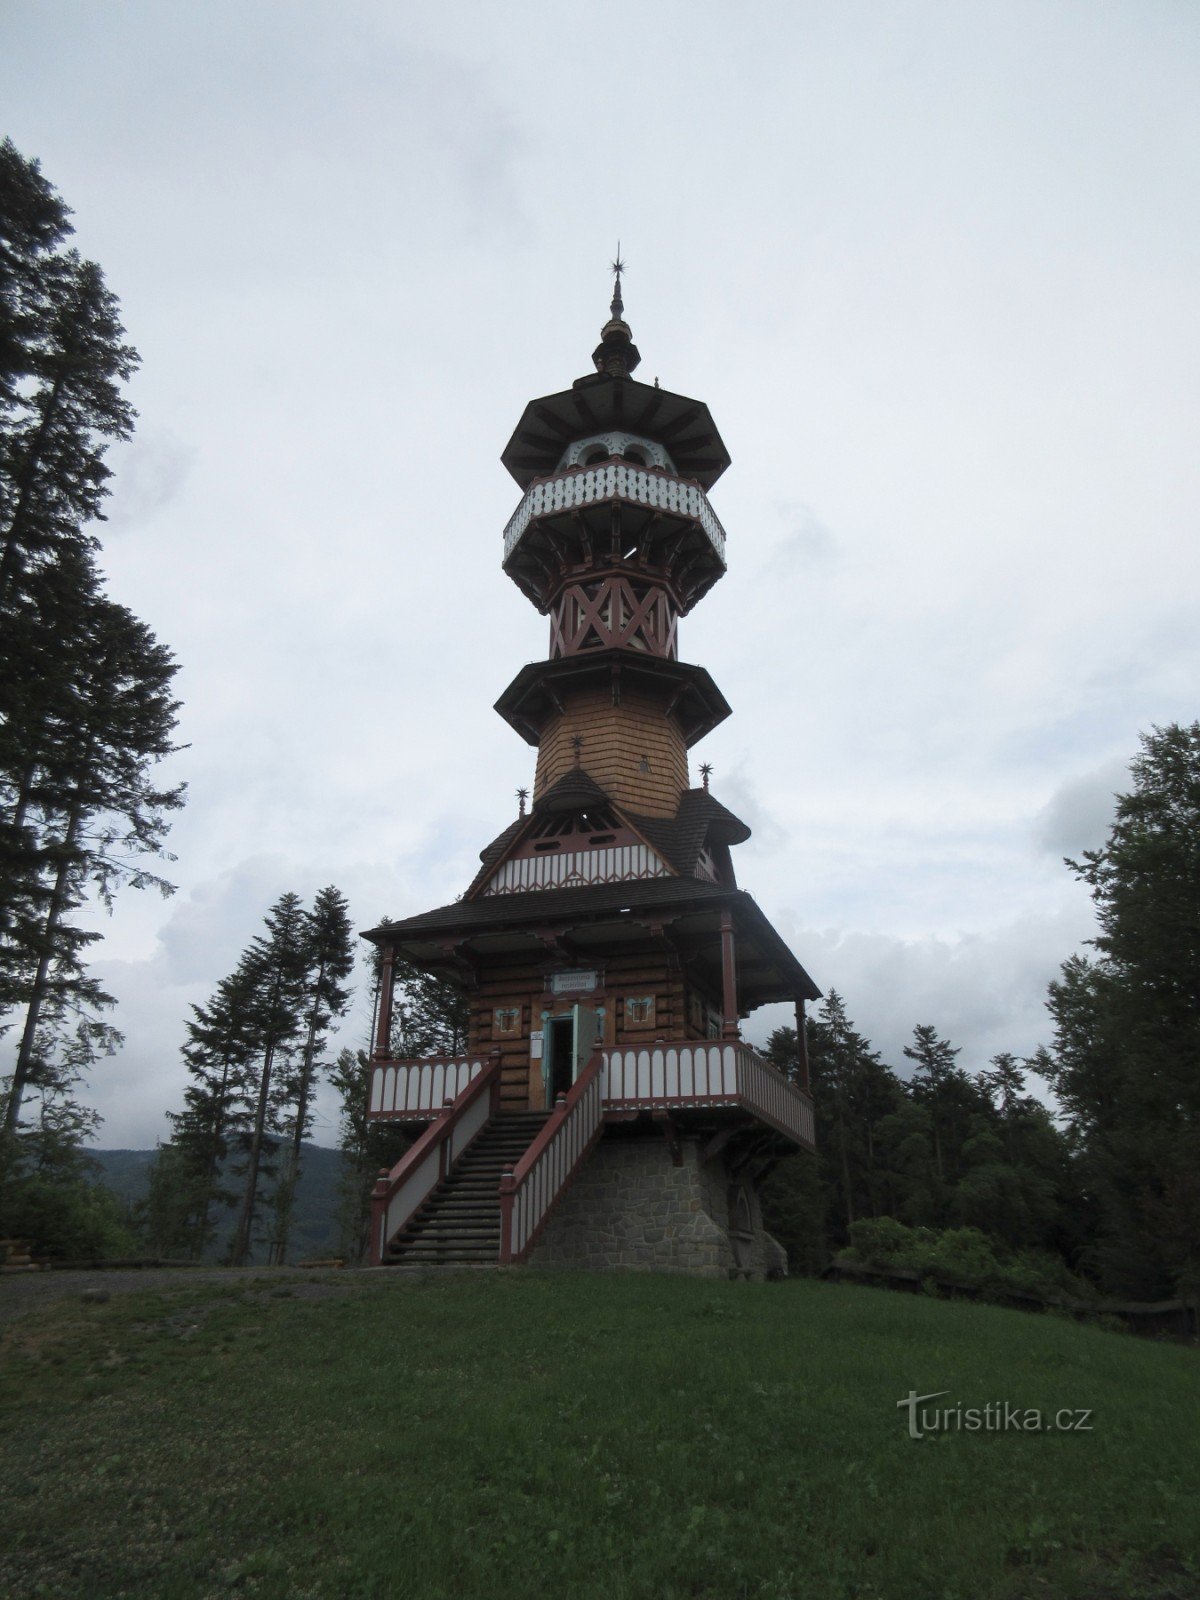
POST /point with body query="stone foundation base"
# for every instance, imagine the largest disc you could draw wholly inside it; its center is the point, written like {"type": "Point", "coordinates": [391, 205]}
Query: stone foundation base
{"type": "Point", "coordinates": [631, 1207]}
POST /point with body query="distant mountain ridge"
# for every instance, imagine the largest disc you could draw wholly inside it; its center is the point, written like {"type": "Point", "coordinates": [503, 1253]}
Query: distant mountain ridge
{"type": "Point", "coordinates": [315, 1230]}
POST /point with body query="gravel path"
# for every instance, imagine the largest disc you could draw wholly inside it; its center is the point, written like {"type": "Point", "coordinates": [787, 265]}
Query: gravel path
{"type": "Point", "coordinates": [21, 1291]}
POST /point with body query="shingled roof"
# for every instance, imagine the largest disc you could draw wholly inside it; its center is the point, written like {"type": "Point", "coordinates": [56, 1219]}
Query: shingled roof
{"type": "Point", "coordinates": [666, 897]}
{"type": "Point", "coordinates": [576, 790]}
{"type": "Point", "coordinates": [681, 838]}
{"type": "Point", "coordinates": [678, 839]}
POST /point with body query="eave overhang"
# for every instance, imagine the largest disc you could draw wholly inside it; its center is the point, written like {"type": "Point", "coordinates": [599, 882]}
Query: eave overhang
{"type": "Point", "coordinates": [588, 922]}
{"type": "Point", "coordinates": [689, 693]}
{"type": "Point", "coordinates": [601, 403]}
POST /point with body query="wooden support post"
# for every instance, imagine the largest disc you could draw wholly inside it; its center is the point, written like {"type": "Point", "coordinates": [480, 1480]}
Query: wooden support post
{"type": "Point", "coordinates": [729, 1002]}
{"type": "Point", "coordinates": [383, 1037]}
{"type": "Point", "coordinates": [802, 1044]}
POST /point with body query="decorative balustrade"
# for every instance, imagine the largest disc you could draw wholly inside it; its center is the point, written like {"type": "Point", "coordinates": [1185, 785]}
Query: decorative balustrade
{"type": "Point", "coordinates": [398, 1193]}
{"type": "Point", "coordinates": [675, 1074]}
{"type": "Point", "coordinates": [529, 1193]}
{"type": "Point", "coordinates": [614, 481]}
{"type": "Point", "coordinates": [411, 1091]}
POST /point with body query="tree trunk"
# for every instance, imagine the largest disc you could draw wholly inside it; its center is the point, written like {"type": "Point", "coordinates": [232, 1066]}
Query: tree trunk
{"type": "Point", "coordinates": [214, 1163]}
{"type": "Point", "coordinates": [41, 980]}
{"type": "Point", "coordinates": [24, 481]}
{"type": "Point", "coordinates": [241, 1244]}
{"type": "Point", "coordinates": [279, 1249]}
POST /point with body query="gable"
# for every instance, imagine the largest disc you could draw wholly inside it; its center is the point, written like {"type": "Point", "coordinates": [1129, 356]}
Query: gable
{"type": "Point", "coordinates": [573, 849]}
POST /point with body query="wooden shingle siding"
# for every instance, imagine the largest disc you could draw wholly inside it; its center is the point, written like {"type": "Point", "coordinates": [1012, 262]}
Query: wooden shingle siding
{"type": "Point", "coordinates": [616, 738]}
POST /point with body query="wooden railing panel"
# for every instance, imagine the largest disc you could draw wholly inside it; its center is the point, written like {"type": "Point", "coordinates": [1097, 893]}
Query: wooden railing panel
{"type": "Point", "coordinates": [583, 486]}
{"type": "Point", "coordinates": [695, 1073]}
{"type": "Point", "coordinates": [419, 1088]}
{"type": "Point", "coordinates": [530, 1192]}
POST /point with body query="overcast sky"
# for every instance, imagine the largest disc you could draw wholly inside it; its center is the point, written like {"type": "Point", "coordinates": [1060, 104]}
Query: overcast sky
{"type": "Point", "coordinates": [932, 266]}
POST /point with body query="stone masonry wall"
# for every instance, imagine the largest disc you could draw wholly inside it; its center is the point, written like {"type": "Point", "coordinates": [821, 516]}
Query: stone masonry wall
{"type": "Point", "coordinates": [630, 1207]}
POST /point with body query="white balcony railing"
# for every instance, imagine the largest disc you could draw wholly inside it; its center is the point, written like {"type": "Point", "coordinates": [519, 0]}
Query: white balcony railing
{"type": "Point", "coordinates": [415, 1090]}
{"type": "Point", "coordinates": [614, 481]}
{"type": "Point", "coordinates": [674, 1075]}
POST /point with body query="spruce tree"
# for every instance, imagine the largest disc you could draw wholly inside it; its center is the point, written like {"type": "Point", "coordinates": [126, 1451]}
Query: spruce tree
{"type": "Point", "coordinates": [85, 709]}
{"type": "Point", "coordinates": [221, 1048]}
{"type": "Point", "coordinates": [86, 779]}
{"type": "Point", "coordinates": [278, 964]}
{"type": "Point", "coordinates": [330, 955]}
{"type": "Point", "coordinates": [1127, 1027]}
{"type": "Point", "coordinates": [63, 362]}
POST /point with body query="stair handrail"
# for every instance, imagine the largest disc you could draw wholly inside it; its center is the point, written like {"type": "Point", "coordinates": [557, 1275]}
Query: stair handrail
{"type": "Point", "coordinates": [531, 1190]}
{"type": "Point", "coordinates": [398, 1194]}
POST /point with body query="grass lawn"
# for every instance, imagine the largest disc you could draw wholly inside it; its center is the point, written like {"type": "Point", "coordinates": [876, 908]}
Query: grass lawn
{"type": "Point", "coordinates": [508, 1435]}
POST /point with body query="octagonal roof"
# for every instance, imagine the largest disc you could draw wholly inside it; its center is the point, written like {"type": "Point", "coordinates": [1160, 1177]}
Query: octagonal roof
{"type": "Point", "coordinates": [601, 403]}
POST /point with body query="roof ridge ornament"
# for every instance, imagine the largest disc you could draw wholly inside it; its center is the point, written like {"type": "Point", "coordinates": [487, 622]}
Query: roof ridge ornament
{"type": "Point", "coordinates": [616, 355]}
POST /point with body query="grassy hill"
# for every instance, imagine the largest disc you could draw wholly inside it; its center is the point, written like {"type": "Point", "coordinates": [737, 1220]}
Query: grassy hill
{"type": "Point", "coordinates": [513, 1434]}
{"type": "Point", "coordinates": [314, 1231]}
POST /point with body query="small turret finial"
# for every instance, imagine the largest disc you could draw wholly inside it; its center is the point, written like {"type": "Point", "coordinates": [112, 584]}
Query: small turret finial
{"type": "Point", "coordinates": [577, 747]}
{"type": "Point", "coordinates": [522, 796]}
{"type": "Point", "coordinates": [706, 773]}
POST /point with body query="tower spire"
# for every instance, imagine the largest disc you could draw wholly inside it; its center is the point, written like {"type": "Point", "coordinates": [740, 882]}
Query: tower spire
{"type": "Point", "coordinates": [616, 355]}
{"type": "Point", "coordinates": [617, 308]}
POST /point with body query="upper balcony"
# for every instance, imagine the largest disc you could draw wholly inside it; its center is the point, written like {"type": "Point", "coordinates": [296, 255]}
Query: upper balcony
{"type": "Point", "coordinates": [565, 519]}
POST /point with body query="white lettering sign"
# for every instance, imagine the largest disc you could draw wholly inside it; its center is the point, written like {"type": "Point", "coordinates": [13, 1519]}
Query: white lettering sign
{"type": "Point", "coordinates": [574, 982]}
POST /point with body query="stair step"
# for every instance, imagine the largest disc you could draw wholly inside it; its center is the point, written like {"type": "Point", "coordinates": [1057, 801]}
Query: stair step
{"type": "Point", "coordinates": [459, 1222]}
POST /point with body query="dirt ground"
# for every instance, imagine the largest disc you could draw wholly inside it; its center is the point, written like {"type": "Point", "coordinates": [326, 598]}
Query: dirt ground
{"type": "Point", "coordinates": [22, 1291]}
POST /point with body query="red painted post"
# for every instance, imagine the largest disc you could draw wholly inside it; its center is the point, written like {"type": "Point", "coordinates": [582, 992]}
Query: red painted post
{"type": "Point", "coordinates": [728, 978]}
{"type": "Point", "coordinates": [383, 1037]}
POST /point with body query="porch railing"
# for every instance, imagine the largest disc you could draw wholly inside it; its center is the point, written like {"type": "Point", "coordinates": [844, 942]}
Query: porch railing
{"type": "Point", "coordinates": [413, 1090]}
{"type": "Point", "coordinates": [398, 1193]}
{"type": "Point", "coordinates": [530, 1192]}
{"type": "Point", "coordinates": [672, 1074]}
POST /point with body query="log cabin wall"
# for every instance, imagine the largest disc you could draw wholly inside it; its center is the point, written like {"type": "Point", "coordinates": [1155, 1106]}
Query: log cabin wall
{"type": "Point", "coordinates": [633, 750]}
{"type": "Point", "coordinates": [643, 995]}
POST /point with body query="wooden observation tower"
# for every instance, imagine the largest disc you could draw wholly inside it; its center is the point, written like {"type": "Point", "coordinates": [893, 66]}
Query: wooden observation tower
{"type": "Point", "coordinates": [606, 1112]}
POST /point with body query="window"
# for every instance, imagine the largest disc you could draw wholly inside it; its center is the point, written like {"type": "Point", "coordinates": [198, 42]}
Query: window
{"type": "Point", "coordinates": [639, 1011]}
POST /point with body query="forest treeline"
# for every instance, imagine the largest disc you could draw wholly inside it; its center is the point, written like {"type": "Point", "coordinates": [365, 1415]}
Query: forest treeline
{"type": "Point", "coordinates": [1110, 1184]}
{"type": "Point", "coordinates": [254, 1053]}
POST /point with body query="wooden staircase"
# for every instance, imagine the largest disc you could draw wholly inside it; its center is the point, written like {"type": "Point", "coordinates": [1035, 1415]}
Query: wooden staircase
{"type": "Point", "coordinates": [459, 1224]}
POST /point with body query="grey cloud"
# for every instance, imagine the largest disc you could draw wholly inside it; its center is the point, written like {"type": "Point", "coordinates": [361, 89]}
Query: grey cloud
{"type": "Point", "coordinates": [985, 992]}
{"type": "Point", "coordinates": [1079, 813]}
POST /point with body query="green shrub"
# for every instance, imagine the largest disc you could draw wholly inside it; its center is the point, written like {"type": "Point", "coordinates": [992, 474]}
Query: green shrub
{"type": "Point", "coordinates": [962, 1256]}
{"type": "Point", "coordinates": [65, 1221]}
{"type": "Point", "coordinates": [882, 1242]}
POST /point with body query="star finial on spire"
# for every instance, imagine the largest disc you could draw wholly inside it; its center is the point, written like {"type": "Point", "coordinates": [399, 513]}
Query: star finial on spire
{"type": "Point", "coordinates": [617, 267]}
{"type": "Point", "coordinates": [577, 746]}
{"type": "Point", "coordinates": [706, 772]}
{"type": "Point", "coordinates": [616, 355]}
{"type": "Point", "coordinates": [522, 796]}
